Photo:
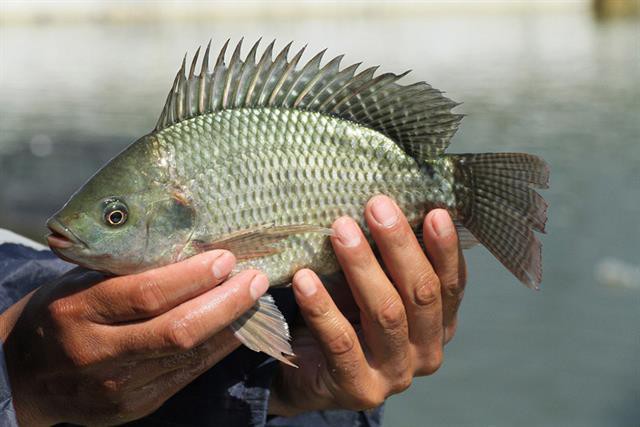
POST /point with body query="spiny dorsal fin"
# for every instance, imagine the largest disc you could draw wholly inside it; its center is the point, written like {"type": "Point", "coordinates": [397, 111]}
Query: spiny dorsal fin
{"type": "Point", "coordinates": [415, 116]}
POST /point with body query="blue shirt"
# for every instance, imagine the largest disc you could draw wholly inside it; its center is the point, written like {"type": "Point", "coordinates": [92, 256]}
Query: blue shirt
{"type": "Point", "coordinates": [235, 392]}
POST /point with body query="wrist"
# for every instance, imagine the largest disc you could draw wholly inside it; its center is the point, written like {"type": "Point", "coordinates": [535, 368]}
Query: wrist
{"type": "Point", "coordinates": [24, 400]}
{"type": "Point", "coordinates": [27, 393]}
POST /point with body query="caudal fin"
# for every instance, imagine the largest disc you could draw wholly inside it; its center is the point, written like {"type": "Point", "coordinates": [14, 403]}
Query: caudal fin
{"type": "Point", "coordinates": [497, 203]}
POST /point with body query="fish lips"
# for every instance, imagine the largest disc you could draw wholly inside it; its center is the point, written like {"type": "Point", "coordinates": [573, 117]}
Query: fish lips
{"type": "Point", "coordinates": [61, 237]}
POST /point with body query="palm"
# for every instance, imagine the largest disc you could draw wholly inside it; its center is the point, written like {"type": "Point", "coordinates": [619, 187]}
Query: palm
{"type": "Point", "coordinates": [307, 384]}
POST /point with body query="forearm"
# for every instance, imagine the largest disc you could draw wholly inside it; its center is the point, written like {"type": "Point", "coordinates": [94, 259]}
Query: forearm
{"type": "Point", "coordinates": [19, 408]}
{"type": "Point", "coordinates": [7, 412]}
{"type": "Point", "coordinates": [10, 316]}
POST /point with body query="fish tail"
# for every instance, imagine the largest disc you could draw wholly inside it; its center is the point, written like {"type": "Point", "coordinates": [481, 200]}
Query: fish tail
{"type": "Point", "coordinates": [497, 203]}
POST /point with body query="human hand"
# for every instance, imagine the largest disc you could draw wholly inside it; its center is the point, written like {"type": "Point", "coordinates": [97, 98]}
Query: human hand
{"type": "Point", "coordinates": [402, 329]}
{"type": "Point", "coordinates": [94, 350]}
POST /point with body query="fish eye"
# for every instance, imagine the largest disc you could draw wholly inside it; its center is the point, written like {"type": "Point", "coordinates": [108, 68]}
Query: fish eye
{"type": "Point", "coordinates": [115, 214]}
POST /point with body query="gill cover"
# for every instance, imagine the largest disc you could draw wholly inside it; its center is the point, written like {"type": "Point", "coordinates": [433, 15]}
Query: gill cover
{"type": "Point", "coordinates": [159, 218]}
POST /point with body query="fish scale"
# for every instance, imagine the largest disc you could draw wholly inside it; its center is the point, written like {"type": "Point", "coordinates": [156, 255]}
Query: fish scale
{"type": "Point", "coordinates": [260, 169]}
{"type": "Point", "coordinates": [260, 158]}
{"type": "Point", "coordinates": [260, 161]}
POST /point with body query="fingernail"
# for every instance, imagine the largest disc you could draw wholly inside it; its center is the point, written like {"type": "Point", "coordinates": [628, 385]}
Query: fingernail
{"type": "Point", "coordinates": [347, 232]}
{"type": "Point", "coordinates": [223, 265]}
{"type": "Point", "coordinates": [258, 286]}
{"type": "Point", "coordinates": [305, 284]}
{"type": "Point", "coordinates": [384, 211]}
{"type": "Point", "coordinates": [442, 224]}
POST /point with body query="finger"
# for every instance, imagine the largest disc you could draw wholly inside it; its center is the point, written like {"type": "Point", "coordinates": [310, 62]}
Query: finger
{"type": "Point", "coordinates": [145, 295]}
{"type": "Point", "coordinates": [337, 286]}
{"type": "Point", "coordinates": [383, 315]}
{"type": "Point", "coordinates": [443, 249]}
{"type": "Point", "coordinates": [410, 270]}
{"type": "Point", "coordinates": [339, 343]}
{"type": "Point", "coordinates": [194, 321]}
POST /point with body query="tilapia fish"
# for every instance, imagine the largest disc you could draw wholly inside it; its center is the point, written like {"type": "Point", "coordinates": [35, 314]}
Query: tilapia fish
{"type": "Point", "coordinates": [260, 156]}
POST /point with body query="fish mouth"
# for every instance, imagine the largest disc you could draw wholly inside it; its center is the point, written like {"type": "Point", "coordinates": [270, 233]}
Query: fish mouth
{"type": "Point", "coordinates": [61, 237]}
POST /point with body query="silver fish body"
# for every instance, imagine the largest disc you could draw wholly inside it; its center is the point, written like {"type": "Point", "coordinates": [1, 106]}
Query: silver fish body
{"type": "Point", "coordinates": [246, 168]}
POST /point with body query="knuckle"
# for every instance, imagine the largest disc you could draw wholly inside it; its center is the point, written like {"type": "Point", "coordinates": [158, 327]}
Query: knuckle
{"type": "Point", "coordinates": [399, 238]}
{"type": "Point", "coordinates": [79, 360]}
{"type": "Point", "coordinates": [62, 308]}
{"type": "Point", "coordinates": [342, 344]}
{"type": "Point", "coordinates": [391, 314]}
{"type": "Point", "coordinates": [401, 383]}
{"type": "Point", "coordinates": [427, 289]}
{"type": "Point", "coordinates": [320, 309]}
{"type": "Point", "coordinates": [431, 364]}
{"type": "Point", "coordinates": [180, 337]}
{"type": "Point", "coordinates": [452, 288]}
{"type": "Point", "coordinates": [80, 357]}
{"type": "Point", "coordinates": [84, 353]}
{"type": "Point", "coordinates": [149, 297]}
{"type": "Point", "coordinates": [367, 400]}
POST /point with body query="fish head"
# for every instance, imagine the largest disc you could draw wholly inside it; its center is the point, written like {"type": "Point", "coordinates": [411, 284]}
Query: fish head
{"type": "Point", "coordinates": [127, 218]}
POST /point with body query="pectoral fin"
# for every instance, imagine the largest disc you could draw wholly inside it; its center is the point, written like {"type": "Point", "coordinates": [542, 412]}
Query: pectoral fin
{"type": "Point", "coordinates": [258, 242]}
{"type": "Point", "coordinates": [264, 328]}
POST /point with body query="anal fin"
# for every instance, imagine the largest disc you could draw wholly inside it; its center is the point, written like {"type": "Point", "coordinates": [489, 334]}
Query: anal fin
{"type": "Point", "coordinates": [264, 328]}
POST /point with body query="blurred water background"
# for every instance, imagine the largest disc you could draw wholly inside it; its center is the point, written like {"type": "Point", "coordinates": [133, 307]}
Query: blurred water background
{"type": "Point", "coordinates": [78, 82]}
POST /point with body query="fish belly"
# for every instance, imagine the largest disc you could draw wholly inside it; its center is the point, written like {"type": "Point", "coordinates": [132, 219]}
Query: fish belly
{"type": "Point", "coordinates": [252, 167]}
